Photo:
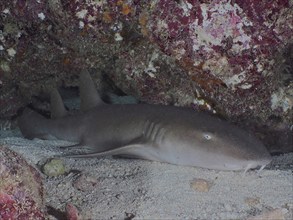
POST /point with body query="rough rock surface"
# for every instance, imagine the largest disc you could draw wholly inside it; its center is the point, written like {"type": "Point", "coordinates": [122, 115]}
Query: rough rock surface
{"type": "Point", "coordinates": [233, 58]}
{"type": "Point", "coordinates": [21, 188]}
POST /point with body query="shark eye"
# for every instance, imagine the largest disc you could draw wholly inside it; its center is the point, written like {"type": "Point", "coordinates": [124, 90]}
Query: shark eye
{"type": "Point", "coordinates": [207, 136]}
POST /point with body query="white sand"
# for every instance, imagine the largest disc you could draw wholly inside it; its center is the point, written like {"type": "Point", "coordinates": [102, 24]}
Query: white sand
{"type": "Point", "coordinates": [152, 190]}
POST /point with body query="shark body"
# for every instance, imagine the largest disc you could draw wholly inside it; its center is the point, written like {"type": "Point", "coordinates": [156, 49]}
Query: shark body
{"type": "Point", "coordinates": [170, 134]}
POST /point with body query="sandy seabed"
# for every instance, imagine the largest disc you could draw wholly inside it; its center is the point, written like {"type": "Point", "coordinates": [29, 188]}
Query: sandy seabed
{"type": "Point", "coordinates": [109, 188]}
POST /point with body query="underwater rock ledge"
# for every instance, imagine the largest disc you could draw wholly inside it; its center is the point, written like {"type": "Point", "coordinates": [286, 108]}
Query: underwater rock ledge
{"type": "Point", "coordinates": [232, 58]}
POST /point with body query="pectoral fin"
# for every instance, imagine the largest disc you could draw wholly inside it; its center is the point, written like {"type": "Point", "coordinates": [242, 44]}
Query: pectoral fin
{"type": "Point", "coordinates": [85, 151]}
{"type": "Point", "coordinates": [137, 148]}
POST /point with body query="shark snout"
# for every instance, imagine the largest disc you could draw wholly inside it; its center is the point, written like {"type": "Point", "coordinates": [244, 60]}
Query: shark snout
{"type": "Point", "coordinates": [247, 165]}
{"type": "Point", "coordinates": [261, 164]}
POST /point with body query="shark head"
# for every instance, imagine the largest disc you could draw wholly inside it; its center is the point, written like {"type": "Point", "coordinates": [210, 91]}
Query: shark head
{"type": "Point", "coordinates": [216, 144]}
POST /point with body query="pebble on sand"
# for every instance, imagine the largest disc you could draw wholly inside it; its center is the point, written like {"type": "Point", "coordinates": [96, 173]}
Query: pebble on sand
{"type": "Point", "coordinates": [200, 185]}
{"type": "Point", "coordinates": [54, 167]}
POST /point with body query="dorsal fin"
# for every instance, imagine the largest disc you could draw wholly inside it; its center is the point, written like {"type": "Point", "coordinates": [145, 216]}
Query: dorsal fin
{"type": "Point", "coordinates": [89, 97]}
{"type": "Point", "coordinates": [56, 104]}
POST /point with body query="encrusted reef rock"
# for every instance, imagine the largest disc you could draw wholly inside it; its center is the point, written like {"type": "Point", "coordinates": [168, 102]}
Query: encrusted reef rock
{"type": "Point", "coordinates": [21, 189]}
{"type": "Point", "coordinates": [233, 58]}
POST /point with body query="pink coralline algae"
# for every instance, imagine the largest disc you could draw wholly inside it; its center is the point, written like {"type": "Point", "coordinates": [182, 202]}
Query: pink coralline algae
{"type": "Point", "coordinates": [29, 9]}
{"type": "Point", "coordinates": [231, 44]}
{"type": "Point", "coordinates": [21, 190]}
{"type": "Point", "coordinates": [72, 213]}
{"type": "Point", "coordinates": [232, 40]}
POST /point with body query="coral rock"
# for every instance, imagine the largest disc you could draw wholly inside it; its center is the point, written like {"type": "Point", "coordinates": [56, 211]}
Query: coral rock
{"type": "Point", "coordinates": [72, 212]}
{"type": "Point", "coordinates": [21, 189]}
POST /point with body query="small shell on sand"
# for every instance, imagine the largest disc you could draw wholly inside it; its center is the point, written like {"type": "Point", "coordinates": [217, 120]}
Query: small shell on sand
{"type": "Point", "coordinates": [200, 185]}
{"type": "Point", "coordinates": [85, 183]}
{"type": "Point", "coordinates": [252, 201]}
{"type": "Point", "coordinates": [54, 167]}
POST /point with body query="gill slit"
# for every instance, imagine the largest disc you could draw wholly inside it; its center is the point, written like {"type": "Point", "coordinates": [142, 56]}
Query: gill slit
{"type": "Point", "coordinates": [154, 132]}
